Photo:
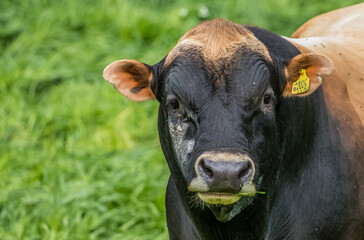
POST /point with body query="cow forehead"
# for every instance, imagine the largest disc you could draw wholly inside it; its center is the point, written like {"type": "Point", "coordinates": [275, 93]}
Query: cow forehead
{"type": "Point", "coordinates": [217, 39]}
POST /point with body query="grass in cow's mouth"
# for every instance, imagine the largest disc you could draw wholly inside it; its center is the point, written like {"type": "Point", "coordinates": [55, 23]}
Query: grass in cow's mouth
{"type": "Point", "coordinates": [224, 198]}
{"type": "Point", "coordinates": [260, 192]}
{"type": "Point", "coordinates": [250, 194]}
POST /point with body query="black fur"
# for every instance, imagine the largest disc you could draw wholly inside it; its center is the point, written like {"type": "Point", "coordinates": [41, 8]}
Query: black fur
{"type": "Point", "coordinates": [307, 174]}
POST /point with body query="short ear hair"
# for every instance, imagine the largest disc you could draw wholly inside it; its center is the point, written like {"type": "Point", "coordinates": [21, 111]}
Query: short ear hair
{"type": "Point", "coordinates": [315, 66]}
{"type": "Point", "coordinates": [131, 78]}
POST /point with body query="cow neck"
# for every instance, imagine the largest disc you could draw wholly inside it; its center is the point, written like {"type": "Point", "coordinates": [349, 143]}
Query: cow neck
{"type": "Point", "coordinates": [297, 120]}
{"type": "Point", "coordinates": [313, 163]}
{"type": "Point", "coordinates": [301, 123]}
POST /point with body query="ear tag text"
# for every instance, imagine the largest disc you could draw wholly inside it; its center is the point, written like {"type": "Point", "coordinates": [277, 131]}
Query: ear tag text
{"type": "Point", "coordinates": [302, 84]}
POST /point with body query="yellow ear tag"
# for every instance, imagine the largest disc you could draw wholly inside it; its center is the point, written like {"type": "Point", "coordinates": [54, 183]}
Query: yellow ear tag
{"type": "Point", "coordinates": [302, 84]}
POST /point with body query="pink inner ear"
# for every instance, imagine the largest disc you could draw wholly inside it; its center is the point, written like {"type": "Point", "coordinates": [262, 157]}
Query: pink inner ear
{"type": "Point", "coordinates": [320, 65]}
{"type": "Point", "coordinates": [131, 78]}
{"type": "Point", "coordinates": [122, 81]}
{"type": "Point", "coordinates": [115, 78]}
{"type": "Point", "coordinates": [314, 71]}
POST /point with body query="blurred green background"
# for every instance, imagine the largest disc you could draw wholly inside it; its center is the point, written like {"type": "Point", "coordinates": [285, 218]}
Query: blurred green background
{"type": "Point", "coordinates": [77, 160]}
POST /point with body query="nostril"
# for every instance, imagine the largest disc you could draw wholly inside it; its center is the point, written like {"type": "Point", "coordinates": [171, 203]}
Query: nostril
{"type": "Point", "coordinates": [206, 169]}
{"type": "Point", "coordinates": [245, 170]}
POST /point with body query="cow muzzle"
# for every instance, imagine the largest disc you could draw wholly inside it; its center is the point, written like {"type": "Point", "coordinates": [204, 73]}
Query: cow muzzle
{"type": "Point", "coordinates": [223, 178]}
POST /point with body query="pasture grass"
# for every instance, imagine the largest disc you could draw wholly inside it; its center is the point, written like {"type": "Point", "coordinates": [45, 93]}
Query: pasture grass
{"type": "Point", "coordinates": [77, 160]}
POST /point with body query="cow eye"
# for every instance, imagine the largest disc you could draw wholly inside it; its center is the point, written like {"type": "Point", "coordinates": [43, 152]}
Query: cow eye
{"type": "Point", "coordinates": [267, 98]}
{"type": "Point", "coordinates": [174, 104]}
{"type": "Point", "coordinates": [175, 108]}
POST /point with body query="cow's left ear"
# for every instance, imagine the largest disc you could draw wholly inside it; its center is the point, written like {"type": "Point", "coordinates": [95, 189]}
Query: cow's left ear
{"type": "Point", "coordinates": [131, 78]}
{"type": "Point", "coordinates": [304, 74]}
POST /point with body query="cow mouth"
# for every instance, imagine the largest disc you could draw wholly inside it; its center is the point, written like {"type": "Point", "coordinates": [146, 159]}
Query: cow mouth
{"type": "Point", "coordinates": [225, 205]}
{"type": "Point", "coordinates": [223, 198]}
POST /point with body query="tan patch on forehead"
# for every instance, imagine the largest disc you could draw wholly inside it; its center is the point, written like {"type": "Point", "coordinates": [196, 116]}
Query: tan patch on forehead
{"type": "Point", "coordinates": [217, 39]}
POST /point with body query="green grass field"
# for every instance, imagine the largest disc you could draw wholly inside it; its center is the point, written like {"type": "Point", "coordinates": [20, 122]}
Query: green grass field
{"type": "Point", "coordinates": [77, 160]}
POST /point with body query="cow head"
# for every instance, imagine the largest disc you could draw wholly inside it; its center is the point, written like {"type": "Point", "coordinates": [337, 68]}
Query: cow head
{"type": "Point", "coordinates": [218, 91]}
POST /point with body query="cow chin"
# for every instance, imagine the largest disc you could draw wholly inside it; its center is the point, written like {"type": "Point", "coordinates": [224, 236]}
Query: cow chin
{"type": "Point", "coordinates": [224, 213]}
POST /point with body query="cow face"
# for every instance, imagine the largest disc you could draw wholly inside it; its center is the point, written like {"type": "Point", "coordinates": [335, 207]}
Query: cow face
{"type": "Point", "coordinates": [218, 90]}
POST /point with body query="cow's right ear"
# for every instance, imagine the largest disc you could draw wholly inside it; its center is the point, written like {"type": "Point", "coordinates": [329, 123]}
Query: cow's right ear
{"type": "Point", "coordinates": [131, 78]}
